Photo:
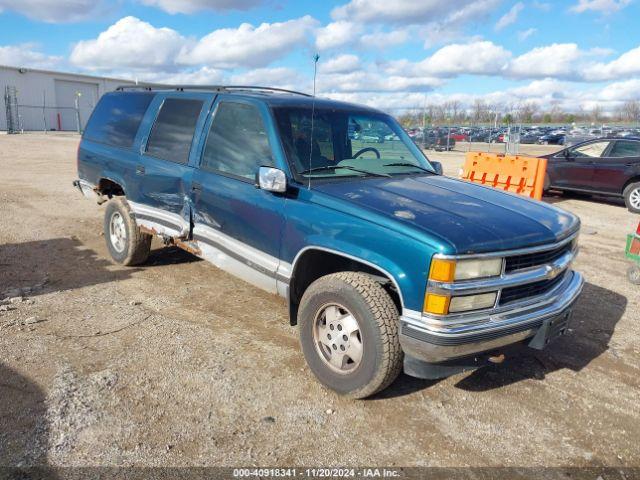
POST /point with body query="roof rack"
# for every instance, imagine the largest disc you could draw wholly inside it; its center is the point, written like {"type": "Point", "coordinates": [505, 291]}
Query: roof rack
{"type": "Point", "coordinates": [209, 88]}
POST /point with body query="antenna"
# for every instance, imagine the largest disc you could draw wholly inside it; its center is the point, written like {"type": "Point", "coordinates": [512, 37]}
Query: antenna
{"type": "Point", "coordinates": [316, 57]}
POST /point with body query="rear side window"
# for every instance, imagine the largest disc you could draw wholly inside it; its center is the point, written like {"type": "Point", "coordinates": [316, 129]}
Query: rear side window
{"type": "Point", "coordinates": [237, 143]}
{"type": "Point", "coordinates": [172, 133]}
{"type": "Point", "coordinates": [625, 148]}
{"type": "Point", "coordinates": [595, 149]}
{"type": "Point", "coordinates": [116, 118]}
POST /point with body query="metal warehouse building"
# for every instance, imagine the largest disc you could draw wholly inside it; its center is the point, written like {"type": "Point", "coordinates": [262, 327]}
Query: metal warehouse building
{"type": "Point", "coordinates": [46, 100]}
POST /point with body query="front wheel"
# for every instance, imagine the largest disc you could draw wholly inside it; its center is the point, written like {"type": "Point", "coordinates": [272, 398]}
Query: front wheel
{"type": "Point", "coordinates": [125, 242]}
{"type": "Point", "coordinates": [632, 197]}
{"type": "Point", "coordinates": [349, 334]}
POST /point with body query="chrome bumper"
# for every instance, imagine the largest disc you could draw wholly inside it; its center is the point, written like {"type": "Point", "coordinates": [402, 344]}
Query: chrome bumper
{"type": "Point", "coordinates": [429, 343]}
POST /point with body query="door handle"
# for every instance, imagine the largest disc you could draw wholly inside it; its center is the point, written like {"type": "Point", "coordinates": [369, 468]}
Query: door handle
{"type": "Point", "coordinates": [140, 169]}
{"type": "Point", "coordinates": [196, 187]}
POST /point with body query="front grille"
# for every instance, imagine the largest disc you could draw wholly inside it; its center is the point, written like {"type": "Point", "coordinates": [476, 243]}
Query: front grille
{"type": "Point", "coordinates": [534, 289]}
{"type": "Point", "coordinates": [519, 262]}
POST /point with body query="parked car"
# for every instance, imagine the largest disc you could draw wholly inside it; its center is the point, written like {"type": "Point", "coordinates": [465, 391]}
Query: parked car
{"type": "Point", "coordinates": [384, 263]}
{"type": "Point", "coordinates": [529, 138]}
{"type": "Point", "coordinates": [437, 140]}
{"type": "Point", "coordinates": [603, 166]}
{"type": "Point", "coordinates": [459, 137]}
{"type": "Point", "coordinates": [552, 139]}
{"type": "Point", "coordinates": [479, 136]}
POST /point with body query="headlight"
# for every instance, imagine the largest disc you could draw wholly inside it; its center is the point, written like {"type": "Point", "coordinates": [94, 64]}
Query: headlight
{"type": "Point", "coordinates": [472, 302]}
{"type": "Point", "coordinates": [443, 304]}
{"type": "Point", "coordinates": [449, 270]}
{"type": "Point", "coordinates": [467, 269]}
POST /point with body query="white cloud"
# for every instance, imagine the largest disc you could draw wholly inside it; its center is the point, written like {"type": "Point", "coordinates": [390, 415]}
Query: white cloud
{"type": "Point", "coordinates": [510, 17]}
{"type": "Point", "coordinates": [453, 26]}
{"type": "Point", "coordinates": [201, 76]}
{"type": "Point", "coordinates": [373, 81]}
{"type": "Point", "coordinates": [129, 43]}
{"type": "Point", "coordinates": [621, 91]}
{"type": "Point", "coordinates": [249, 46]}
{"type": "Point", "coordinates": [340, 64]}
{"type": "Point", "coordinates": [59, 11]}
{"type": "Point", "coordinates": [279, 77]}
{"type": "Point", "coordinates": [524, 34]}
{"type": "Point", "coordinates": [479, 58]}
{"type": "Point", "coordinates": [568, 61]}
{"type": "Point", "coordinates": [337, 34]}
{"type": "Point", "coordinates": [601, 6]}
{"type": "Point", "coordinates": [625, 66]}
{"type": "Point", "coordinates": [191, 6]}
{"type": "Point", "coordinates": [408, 12]}
{"type": "Point", "coordinates": [483, 58]}
{"type": "Point", "coordinates": [385, 39]}
{"type": "Point", "coordinates": [557, 60]}
{"type": "Point", "coordinates": [26, 55]}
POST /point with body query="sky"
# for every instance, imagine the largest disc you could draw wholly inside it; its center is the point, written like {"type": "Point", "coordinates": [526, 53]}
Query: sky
{"type": "Point", "coordinates": [392, 54]}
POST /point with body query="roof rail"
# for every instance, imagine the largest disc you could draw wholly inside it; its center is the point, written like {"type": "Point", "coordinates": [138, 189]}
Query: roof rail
{"type": "Point", "coordinates": [214, 88]}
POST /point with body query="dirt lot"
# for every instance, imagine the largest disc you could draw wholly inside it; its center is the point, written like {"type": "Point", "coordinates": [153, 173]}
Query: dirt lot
{"type": "Point", "coordinates": [178, 363]}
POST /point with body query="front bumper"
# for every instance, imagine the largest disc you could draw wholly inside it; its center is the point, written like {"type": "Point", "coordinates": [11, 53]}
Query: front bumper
{"type": "Point", "coordinates": [424, 343]}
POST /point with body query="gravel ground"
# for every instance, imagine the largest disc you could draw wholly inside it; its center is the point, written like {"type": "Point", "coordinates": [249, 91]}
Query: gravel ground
{"type": "Point", "coordinates": [177, 363]}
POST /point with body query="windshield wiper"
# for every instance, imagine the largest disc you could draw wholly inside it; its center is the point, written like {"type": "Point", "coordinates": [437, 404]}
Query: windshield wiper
{"type": "Point", "coordinates": [407, 164]}
{"type": "Point", "coordinates": [346, 167]}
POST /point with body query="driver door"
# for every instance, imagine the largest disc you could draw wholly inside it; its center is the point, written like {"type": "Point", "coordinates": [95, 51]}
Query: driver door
{"type": "Point", "coordinates": [237, 226]}
{"type": "Point", "coordinates": [575, 167]}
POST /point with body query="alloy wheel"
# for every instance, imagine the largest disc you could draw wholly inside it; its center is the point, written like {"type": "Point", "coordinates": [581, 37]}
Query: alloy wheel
{"type": "Point", "coordinates": [117, 232]}
{"type": "Point", "coordinates": [337, 338]}
{"type": "Point", "coordinates": [634, 198]}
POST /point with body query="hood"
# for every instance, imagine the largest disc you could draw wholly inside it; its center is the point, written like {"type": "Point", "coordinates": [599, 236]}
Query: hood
{"type": "Point", "coordinates": [469, 217]}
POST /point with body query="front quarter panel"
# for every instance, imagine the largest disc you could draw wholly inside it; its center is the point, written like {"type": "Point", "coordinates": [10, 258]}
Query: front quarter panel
{"type": "Point", "coordinates": [310, 224]}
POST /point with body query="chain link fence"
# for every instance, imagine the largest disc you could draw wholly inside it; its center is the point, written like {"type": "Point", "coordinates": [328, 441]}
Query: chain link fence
{"type": "Point", "coordinates": [21, 117]}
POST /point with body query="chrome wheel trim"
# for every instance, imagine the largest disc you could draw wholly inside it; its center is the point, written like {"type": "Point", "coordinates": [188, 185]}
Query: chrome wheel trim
{"type": "Point", "coordinates": [117, 232]}
{"type": "Point", "coordinates": [634, 198]}
{"type": "Point", "coordinates": [337, 337]}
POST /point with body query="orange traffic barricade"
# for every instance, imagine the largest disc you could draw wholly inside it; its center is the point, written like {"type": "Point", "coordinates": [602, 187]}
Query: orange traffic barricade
{"type": "Point", "coordinates": [513, 173]}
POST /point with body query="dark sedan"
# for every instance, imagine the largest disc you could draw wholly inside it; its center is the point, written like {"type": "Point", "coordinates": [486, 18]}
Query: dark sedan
{"type": "Point", "coordinates": [552, 139]}
{"type": "Point", "coordinates": [603, 166]}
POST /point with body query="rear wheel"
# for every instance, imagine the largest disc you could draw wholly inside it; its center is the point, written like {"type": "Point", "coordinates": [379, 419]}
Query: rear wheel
{"type": "Point", "coordinates": [349, 334]}
{"type": "Point", "coordinates": [632, 197]}
{"type": "Point", "coordinates": [125, 242]}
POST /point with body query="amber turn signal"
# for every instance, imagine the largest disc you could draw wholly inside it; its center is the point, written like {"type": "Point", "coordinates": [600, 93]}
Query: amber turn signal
{"type": "Point", "coordinates": [442, 270]}
{"type": "Point", "coordinates": [436, 304]}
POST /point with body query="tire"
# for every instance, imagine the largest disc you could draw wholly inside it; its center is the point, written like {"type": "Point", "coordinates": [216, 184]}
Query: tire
{"type": "Point", "coordinates": [633, 274]}
{"type": "Point", "coordinates": [125, 242]}
{"type": "Point", "coordinates": [632, 197]}
{"type": "Point", "coordinates": [332, 304]}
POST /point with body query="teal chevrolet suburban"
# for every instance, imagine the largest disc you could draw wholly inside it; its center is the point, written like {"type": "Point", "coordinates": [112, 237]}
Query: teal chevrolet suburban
{"type": "Point", "coordinates": [385, 264]}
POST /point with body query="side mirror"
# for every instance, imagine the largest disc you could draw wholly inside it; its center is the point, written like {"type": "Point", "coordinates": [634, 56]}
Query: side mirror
{"type": "Point", "coordinates": [438, 167]}
{"type": "Point", "coordinates": [271, 179]}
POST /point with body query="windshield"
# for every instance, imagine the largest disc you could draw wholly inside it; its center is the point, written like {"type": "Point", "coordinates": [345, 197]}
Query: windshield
{"type": "Point", "coordinates": [347, 143]}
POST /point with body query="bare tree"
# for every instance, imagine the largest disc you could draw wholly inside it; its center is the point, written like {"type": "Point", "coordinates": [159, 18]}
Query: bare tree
{"type": "Point", "coordinates": [527, 111]}
{"type": "Point", "coordinates": [631, 111]}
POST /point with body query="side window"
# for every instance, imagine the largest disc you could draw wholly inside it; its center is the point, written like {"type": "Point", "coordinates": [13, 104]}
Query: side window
{"type": "Point", "coordinates": [625, 148]}
{"type": "Point", "coordinates": [237, 143]}
{"type": "Point", "coordinates": [116, 118]}
{"type": "Point", "coordinates": [594, 150]}
{"type": "Point", "coordinates": [172, 133]}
